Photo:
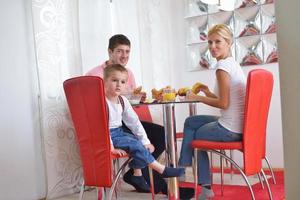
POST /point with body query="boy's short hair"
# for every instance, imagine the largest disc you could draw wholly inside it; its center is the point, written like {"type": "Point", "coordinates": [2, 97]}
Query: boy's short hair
{"type": "Point", "coordinates": [109, 69]}
{"type": "Point", "coordinates": [116, 40]}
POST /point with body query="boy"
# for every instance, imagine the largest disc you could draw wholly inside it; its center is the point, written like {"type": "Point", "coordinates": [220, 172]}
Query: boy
{"type": "Point", "coordinates": [137, 146]}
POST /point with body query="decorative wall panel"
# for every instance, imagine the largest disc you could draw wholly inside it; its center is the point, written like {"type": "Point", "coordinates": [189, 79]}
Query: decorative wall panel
{"type": "Point", "coordinates": [253, 26]}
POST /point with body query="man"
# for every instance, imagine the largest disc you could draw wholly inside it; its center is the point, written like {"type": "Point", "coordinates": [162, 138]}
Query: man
{"type": "Point", "coordinates": [119, 52]}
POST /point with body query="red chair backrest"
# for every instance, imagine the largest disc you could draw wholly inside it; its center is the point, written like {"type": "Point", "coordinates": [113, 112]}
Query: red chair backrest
{"type": "Point", "coordinates": [143, 112]}
{"type": "Point", "coordinates": [257, 102]}
{"type": "Point", "coordinates": [87, 104]}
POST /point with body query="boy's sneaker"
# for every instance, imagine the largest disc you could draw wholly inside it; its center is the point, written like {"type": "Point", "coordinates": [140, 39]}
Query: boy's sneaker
{"type": "Point", "coordinates": [173, 172]}
{"type": "Point", "coordinates": [138, 182]}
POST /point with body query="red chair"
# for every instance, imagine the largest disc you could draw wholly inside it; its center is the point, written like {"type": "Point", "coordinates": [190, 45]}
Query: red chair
{"type": "Point", "coordinates": [257, 102]}
{"type": "Point", "coordinates": [87, 104]}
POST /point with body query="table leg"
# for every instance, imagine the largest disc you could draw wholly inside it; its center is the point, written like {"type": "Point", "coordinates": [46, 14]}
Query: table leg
{"type": "Point", "coordinates": [171, 148]}
{"type": "Point", "coordinates": [193, 108]}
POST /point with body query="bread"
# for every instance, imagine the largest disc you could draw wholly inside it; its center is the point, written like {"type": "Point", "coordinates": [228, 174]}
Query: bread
{"type": "Point", "coordinates": [137, 90]}
{"type": "Point", "coordinates": [196, 88]}
{"type": "Point", "coordinates": [183, 91]}
{"type": "Point", "coordinates": [156, 93]}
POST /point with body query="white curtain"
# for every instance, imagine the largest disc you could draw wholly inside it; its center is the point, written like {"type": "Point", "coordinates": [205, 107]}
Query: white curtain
{"type": "Point", "coordinates": [71, 37]}
{"type": "Point", "coordinates": [147, 24]}
{"type": "Point", "coordinates": [56, 36]}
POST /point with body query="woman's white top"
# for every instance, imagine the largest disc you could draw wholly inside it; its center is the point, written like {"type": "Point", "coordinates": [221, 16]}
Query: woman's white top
{"type": "Point", "coordinates": [232, 118]}
{"type": "Point", "coordinates": [129, 117]}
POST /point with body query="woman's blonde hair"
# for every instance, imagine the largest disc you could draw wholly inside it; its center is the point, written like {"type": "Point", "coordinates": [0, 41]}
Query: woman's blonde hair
{"type": "Point", "coordinates": [223, 31]}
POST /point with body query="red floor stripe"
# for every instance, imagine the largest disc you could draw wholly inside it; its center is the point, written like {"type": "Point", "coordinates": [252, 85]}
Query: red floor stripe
{"type": "Point", "coordinates": [242, 192]}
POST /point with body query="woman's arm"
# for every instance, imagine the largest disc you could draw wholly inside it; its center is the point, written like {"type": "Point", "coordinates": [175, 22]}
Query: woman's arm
{"type": "Point", "coordinates": [207, 92]}
{"type": "Point", "coordinates": [221, 101]}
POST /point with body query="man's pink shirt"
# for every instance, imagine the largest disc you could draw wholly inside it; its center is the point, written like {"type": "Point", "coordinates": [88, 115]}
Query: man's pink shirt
{"type": "Point", "coordinates": [98, 71]}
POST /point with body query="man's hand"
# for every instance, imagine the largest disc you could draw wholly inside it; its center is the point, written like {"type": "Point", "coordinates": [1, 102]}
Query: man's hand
{"type": "Point", "coordinates": [150, 147]}
{"type": "Point", "coordinates": [144, 96]}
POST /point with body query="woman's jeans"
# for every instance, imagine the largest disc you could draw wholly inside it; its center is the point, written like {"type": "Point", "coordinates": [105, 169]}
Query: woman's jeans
{"type": "Point", "coordinates": [203, 127]}
{"type": "Point", "coordinates": [127, 142]}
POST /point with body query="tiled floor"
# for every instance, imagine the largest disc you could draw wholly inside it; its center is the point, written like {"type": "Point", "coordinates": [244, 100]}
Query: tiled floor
{"type": "Point", "coordinates": [127, 192]}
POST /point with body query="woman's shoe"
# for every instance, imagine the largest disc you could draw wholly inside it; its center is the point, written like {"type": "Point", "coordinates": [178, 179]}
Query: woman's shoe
{"type": "Point", "coordinates": [206, 194]}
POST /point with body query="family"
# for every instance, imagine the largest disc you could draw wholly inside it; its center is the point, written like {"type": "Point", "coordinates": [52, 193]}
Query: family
{"type": "Point", "coordinates": [145, 141]}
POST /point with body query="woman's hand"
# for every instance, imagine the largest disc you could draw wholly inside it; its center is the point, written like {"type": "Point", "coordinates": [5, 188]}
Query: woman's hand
{"type": "Point", "coordinates": [149, 147]}
{"type": "Point", "coordinates": [204, 88]}
{"type": "Point", "coordinates": [190, 96]}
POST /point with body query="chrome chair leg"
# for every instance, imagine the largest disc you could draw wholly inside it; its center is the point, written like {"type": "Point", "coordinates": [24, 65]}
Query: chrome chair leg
{"type": "Point", "coordinates": [222, 172]}
{"type": "Point", "coordinates": [261, 181]}
{"type": "Point", "coordinates": [104, 194]}
{"type": "Point", "coordinates": [195, 167]}
{"type": "Point", "coordinates": [211, 167]}
{"type": "Point", "coordinates": [81, 194]}
{"type": "Point", "coordinates": [268, 185]}
{"type": "Point", "coordinates": [151, 183]}
{"type": "Point", "coordinates": [231, 166]}
{"type": "Point", "coordinates": [270, 168]}
{"type": "Point", "coordinates": [100, 193]}
{"type": "Point", "coordinates": [112, 189]}
{"type": "Point", "coordinates": [239, 169]}
{"type": "Point", "coordinates": [116, 167]}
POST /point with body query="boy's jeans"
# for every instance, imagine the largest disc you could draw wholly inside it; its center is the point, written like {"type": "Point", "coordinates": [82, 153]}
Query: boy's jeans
{"type": "Point", "coordinates": [127, 142]}
{"type": "Point", "coordinates": [203, 127]}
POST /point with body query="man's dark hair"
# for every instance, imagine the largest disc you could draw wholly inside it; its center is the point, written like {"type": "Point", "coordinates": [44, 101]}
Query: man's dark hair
{"type": "Point", "coordinates": [116, 40]}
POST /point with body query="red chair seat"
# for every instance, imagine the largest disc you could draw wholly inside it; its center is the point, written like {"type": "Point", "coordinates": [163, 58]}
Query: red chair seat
{"type": "Point", "coordinates": [179, 135]}
{"type": "Point", "coordinates": [204, 144]}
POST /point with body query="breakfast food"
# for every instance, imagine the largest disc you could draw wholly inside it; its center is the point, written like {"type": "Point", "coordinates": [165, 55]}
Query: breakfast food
{"type": "Point", "coordinates": [196, 88]}
{"type": "Point", "coordinates": [183, 91]}
{"type": "Point", "coordinates": [156, 94]}
{"type": "Point", "coordinates": [137, 90]}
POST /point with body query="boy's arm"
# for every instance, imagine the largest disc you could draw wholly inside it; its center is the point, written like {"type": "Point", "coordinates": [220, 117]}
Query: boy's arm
{"type": "Point", "coordinates": [132, 121]}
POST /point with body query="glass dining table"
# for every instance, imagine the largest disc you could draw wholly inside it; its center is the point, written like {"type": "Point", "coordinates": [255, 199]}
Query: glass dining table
{"type": "Point", "coordinates": [169, 123]}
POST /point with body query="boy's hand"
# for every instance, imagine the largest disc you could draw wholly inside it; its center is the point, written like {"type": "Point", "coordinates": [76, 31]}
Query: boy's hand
{"type": "Point", "coordinates": [150, 147]}
{"type": "Point", "coordinates": [119, 152]}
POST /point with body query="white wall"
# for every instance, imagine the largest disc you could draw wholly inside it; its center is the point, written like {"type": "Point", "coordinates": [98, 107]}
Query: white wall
{"type": "Point", "coordinates": [185, 78]}
{"type": "Point", "coordinates": [21, 166]}
{"type": "Point", "coordinates": [287, 17]}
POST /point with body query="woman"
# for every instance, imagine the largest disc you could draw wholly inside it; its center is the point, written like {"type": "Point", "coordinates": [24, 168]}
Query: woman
{"type": "Point", "coordinates": [229, 96]}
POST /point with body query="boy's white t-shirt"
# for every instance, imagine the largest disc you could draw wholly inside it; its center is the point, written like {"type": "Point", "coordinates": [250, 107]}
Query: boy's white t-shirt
{"type": "Point", "coordinates": [233, 117]}
{"type": "Point", "coordinates": [129, 117]}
